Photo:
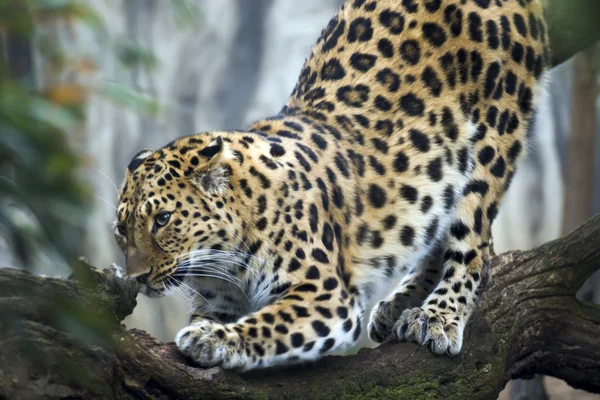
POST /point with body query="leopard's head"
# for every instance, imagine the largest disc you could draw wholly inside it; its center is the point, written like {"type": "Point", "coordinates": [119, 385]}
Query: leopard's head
{"type": "Point", "coordinates": [177, 211]}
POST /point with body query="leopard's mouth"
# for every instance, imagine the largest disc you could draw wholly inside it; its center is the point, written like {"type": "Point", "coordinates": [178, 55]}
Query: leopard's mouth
{"type": "Point", "coordinates": [149, 291]}
{"type": "Point", "coordinates": [160, 287]}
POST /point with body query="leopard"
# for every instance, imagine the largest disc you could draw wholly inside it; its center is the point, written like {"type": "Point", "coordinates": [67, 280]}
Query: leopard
{"type": "Point", "coordinates": [363, 209]}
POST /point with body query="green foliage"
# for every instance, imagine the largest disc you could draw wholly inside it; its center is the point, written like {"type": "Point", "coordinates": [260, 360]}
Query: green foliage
{"type": "Point", "coordinates": [43, 196]}
{"type": "Point", "coordinates": [44, 199]}
{"type": "Point", "coordinates": [132, 54]}
{"type": "Point", "coordinates": [127, 97]}
{"type": "Point", "coordinates": [38, 171]}
{"type": "Point", "coordinates": [186, 13]}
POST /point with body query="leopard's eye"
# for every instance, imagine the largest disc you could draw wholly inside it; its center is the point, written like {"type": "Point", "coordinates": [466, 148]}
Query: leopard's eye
{"type": "Point", "coordinates": [122, 230]}
{"type": "Point", "coordinates": [162, 218]}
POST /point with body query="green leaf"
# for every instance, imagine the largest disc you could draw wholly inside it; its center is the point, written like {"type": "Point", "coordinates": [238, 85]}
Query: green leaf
{"type": "Point", "coordinates": [186, 13]}
{"type": "Point", "coordinates": [132, 54]}
{"type": "Point", "coordinates": [127, 97]}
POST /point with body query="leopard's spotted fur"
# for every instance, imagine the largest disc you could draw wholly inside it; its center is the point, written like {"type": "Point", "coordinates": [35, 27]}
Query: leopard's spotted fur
{"type": "Point", "coordinates": [400, 138]}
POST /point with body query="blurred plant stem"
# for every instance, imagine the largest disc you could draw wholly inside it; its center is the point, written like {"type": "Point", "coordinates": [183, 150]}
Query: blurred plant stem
{"type": "Point", "coordinates": [579, 176]}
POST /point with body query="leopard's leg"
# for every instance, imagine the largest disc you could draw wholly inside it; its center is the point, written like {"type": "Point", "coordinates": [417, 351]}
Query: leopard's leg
{"type": "Point", "coordinates": [441, 319]}
{"type": "Point", "coordinates": [310, 320]}
{"type": "Point", "coordinates": [410, 292]}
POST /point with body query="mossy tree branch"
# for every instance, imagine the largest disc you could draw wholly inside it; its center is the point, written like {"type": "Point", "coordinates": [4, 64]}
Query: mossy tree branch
{"type": "Point", "coordinates": [573, 26]}
{"type": "Point", "coordinates": [529, 322]}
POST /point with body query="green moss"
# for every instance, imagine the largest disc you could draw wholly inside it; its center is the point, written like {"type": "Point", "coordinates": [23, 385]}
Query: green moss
{"type": "Point", "coordinates": [417, 391]}
{"type": "Point", "coordinates": [421, 385]}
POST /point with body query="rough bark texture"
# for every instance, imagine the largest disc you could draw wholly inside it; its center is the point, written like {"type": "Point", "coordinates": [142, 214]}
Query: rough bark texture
{"type": "Point", "coordinates": [529, 322]}
{"type": "Point", "coordinates": [581, 153]}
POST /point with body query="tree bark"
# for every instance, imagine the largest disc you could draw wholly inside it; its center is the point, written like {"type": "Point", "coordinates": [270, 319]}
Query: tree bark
{"type": "Point", "coordinates": [581, 152]}
{"type": "Point", "coordinates": [62, 338]}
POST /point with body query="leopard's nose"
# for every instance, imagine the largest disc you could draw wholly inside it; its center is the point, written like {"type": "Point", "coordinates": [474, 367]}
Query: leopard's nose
{"type": "Point", "coordinates": [142, 278]}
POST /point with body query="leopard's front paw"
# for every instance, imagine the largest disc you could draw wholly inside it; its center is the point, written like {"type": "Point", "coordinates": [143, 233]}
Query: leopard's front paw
{"type": "Point", "coordinates": [429, 329]}
{"type": "Point", "coordinates": [208, 344]}
{"type": "Point", "coordinates": [385, 315]}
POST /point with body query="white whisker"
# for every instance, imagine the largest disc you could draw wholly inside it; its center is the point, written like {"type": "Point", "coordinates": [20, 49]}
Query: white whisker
{"type": "Point", "coordinates": [172, 289]}
{"type": "Point", "coordinates": [107, 202]}
{"type": "Point", "coordinates": [110, 180]}
{"type": "Point", "coordinates": [223, 258]}
{"type": "Point", "coordinates": [196, 292]}
{"type": "Point", "coordinates": [222, 275]}
{"type": "Point", "coordinates": [211, 267]}
{"type": "Point", "coordinates": [177, 290]}
{"type": "Point", "coordinates": [208, 252]}
{"type": "Point", "coordinates": [234, 258]}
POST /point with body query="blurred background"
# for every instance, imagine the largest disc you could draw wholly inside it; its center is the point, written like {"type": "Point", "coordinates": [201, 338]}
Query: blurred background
{"type": "Point", "coordinates": [84, 85]}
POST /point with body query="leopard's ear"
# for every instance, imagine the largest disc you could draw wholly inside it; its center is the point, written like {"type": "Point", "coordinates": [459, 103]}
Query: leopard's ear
{"type": "Point", "coordinates": [213, 175]}
{"type": "Point", "coordinates": [212, 153]}
{"type": "Point", "coordinates": [138, 159]}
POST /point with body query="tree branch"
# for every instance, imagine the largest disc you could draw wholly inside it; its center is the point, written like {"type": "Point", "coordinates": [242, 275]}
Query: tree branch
{"type": "Point", "coordinates": [573, 26]}
{"type": "Point", "coordinates": [529, 322]}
